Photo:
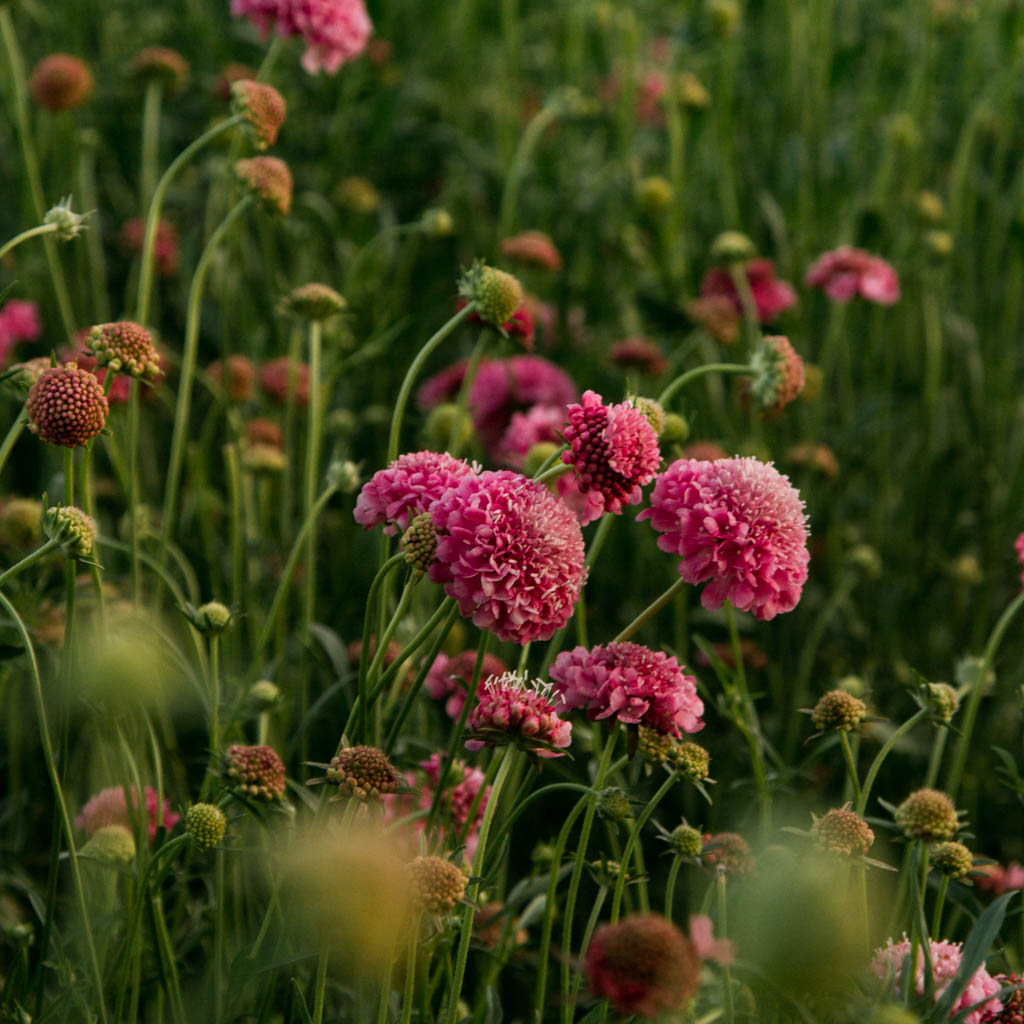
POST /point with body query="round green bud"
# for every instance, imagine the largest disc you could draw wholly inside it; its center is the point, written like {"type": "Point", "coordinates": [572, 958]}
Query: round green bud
{"type": "Point", "coordinates": [838, 710]}
{"type": "Point", "coordinates": [264, 694]}
{"type": "Point", "coordinates": [686, 841]}
{"type": "Point", "coordinates": [205, 823]}
{"type": "Point", "coordinates": [613, 804]}
{"type": "Point", "coordinates": [315, 301]}
{"type": "Point", "coordinates": [927, 814]}
{"type": "Point", "coordinates": [113, 843]}
{"type": "Point", "coordinates": [72, 529]}
{"type": "Point", "coordinates": [212, 617]}
{"type": "Point", "coordinates": [952, 859]}
{"type": "Point", "coordinates": [732, 247]}
{"type": "Point", "coordinates": [676, 430]}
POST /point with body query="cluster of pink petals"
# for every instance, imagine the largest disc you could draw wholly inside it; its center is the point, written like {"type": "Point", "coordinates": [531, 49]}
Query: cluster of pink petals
{"type": "Point", "coordinates": [460, 792]}
{"type": "Point", "coordinates": [946, 956]}
{"type": "Point", "coordinates": [109, 807]}
{"type": "Point", "coordinates": [335, 31]}
{"type": "Point", "coordinates": [771, 296]}
{"type": "Point", "coordinates": [120, 389]}
{"type": "Point", "coordinates": [1018, 546]}
{"type": "Point", "coordinates": [449, 678]}
{"type": "Point", "coordinates": [847, 272]}
{"type": "Point", "coordinates": [19, 321]}
{"type": "Point", "coordinates": [613, 450]}
{"type": "Point", "coordinates": [738, 523]}
{"type": "Point", "coordinates": [501, 388]}
{"type": "Point", "coordinates": [635, 684]}
{"type": "Point", "coordinates": [510, 553]}
{"type": "Point", "coordinates": [511, 710]}
{"type": "Point", "coordinates": [702, 935]}
{"type": "Point", "coordinates": [394, 496]}
{"type": "Point", "coordinates": [996, 879]}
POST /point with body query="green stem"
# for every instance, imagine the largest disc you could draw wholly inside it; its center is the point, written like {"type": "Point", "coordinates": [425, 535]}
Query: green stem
{"type": "Point", "coordinates": [170, 966]}
{"type": "Point", "coordinates": [150, 138]}
{"type": "Point", "coordinates": [220, 894]}
{"type": "Point", "coordinates": [651, 610]}
{"type": "Point", "coordinates": [553, 473]}
{"type": "Point", "coordinates": [321, 987]}
{"type": "Point", "coordinates": [364, 651]}
{"type": "Point", "coordinates": [455, 991]}
{"type": "Point", "coordinates": [696, 373]}
{"type": "Point", "coordinates": [313, 436]}
{"type": "Point", "coordinates": [723, 931]}
{"type": "Point", "coordinates": [133, 485]}
{"type": "Point", "coordinates": [413, 372]}
{"type": "Point", "coordinates": [939, 902]}
{"type": "Point", "coordinates": [42, 229]}
{"type": "Point", "coordinates": [956, 770]}
{"type": "Point", "coordinates": [89, 509]}
{"type": "Point", "coordinates": [670, 886]}
{"type": "Point", "coordinates": [880, 757]}
{"type": "Point", "coordinates": [28, 152]}
{"type": "Point", "coordinates": [851, 766]}
{"type": "Point", "coordinates": [410, 980]}
{"type": "Point", "coordinates": [58, 792]}
{"type": "Point", "coordinates": [28, 560]}
{"type": "Point", "coordinates": [12, 436]}
{"type": "Point", "coordinates": [188, 365]}
{"type": "Point", "coordinates": [155, 205]}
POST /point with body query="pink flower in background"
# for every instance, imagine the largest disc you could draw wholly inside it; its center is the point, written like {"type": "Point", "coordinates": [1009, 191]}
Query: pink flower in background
{"type": "Point", "coordinates": [534, 249]}
{"type": "Point", "coordinates": [721, 951]}
{"type": "Point", "coordinates": [1018, 546]}
{"type": "Point", "coordinates": [511, 710]}
{"type": "Point", "coordinates": [510, 553]}
{"type": "Point", "coordinates": [520, 325]}
{"type": "Point", "coordinates": [276, 375]}
{"type": "Point", "coordinates": [640, 354]}
{"type": "Point", "coordinates": [19, 321]}
{"type": "Point", "coordinates": [946, 957]}
{"type": "Point", "coordinates": [635, 684]}
{"type": "Point", "coordinates": [335, 31]}
{"type": "Point", "coordinates": [738, 523]}
{"type": "Point", "coordinates": [847, 272]}
{"type": "Point", "coordinates": [109, 807]}
{"type": "Point", "coordinates": [449, 678]}
{"type": "Point", "coordinates": [996, 879]}
{"type": "Point", "coordinates": [771, 296]}
{"type": "Point", "coordinates": [394, 496]}
{"type": "Point", "coordinates": [165, 246]}
{"type": "Point", "coordinates": [538, 424]}
{"type": "Point", "coordinates": [613, 451]}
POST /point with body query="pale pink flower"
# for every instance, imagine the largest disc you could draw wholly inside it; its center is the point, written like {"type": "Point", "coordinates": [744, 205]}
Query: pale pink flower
{"type": "Point", "coordinates": [109, 807]}
{"type": "Point", "coordinates": [532, 248]}
{"type": "Point", "coordinates": [449, 678]}
{"type": "Point", "coordinates": [277, 375]}
{"type": "Point", "coordinates": [394, 496]}
{"type": "Point", "coordinates": [510, 553]}
{"type": "Point", "coordinates": [771, 296]}
{"type": "Point", "coordinates": [1018, 546]}
{"type": "Point", "coordinates": [737, 523]}
{"type": "Point", "coordinates": [613, 450]}
{"type": "Point", "coordinates": [511, 710]}
{"type": "Point", "coordinates": [945, 958]}
{"type": "Point", "coordinates": [538, 424]}
{"type": "Point", "coordinates": [721, 951]}
{"type": "Point", "coordinates": [334, 31]}
{"type": "Point", "coordinates": [630, 682]}
{"type": "Point", "coordinates": [847, 272]}
{"type": "Point", "coordinates": [996, 879]}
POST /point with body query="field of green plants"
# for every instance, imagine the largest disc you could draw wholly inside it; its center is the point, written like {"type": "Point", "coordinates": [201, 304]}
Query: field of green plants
{"type": "Point", "coordinates": [511, 512]}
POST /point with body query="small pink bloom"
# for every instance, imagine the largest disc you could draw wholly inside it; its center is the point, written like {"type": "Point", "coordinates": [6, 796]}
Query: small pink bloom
{"type": "Point", "coordinates": [394, 496]}
{"type": "Point", "coordinates": [109, 807]}
{"type": "Point", "coordinates": [630, 682]}
{"type": "Point", "coordinates": [277, 375]}
{"type": "Point", "coordinates": [1018, 546]}
{"type": "Point", "coordinates": [510, 710]}
{"type": "Point", "coordinates": [721, 951]}
{"type": "Point", "coordinates": [532, 248]}
{"type": "Point", "coordinates": [771, 296]}
{"type": "Point", "coordinates": [738, 524]}
{"type": "Point", "coordinates": [996, 879]}
{"type": "Point", "coordinates": [21, 319]}
{"type": "Point", "coordinates": [847, 272]}
{"type": "Point", "coordinates": [449, 678]}
{"type": "Point", "coordinates": [639, 354]}
{"type": "Point", "coordinates": [613, 450]}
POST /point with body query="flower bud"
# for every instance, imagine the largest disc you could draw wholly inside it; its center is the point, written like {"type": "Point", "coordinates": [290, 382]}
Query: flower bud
{"type": "Point", "coordinates": [442, 421]}
{"type": "Point", "coordinates": [69, 224]}
{"type": "Point", "coordinates": [212, 617]}
{"type": "Point", "coordinates": [125, 347]}
{"type": "Point", "coordinates": [112, 843]}
{"type": "Point", "coordinates": [686, 841]}
{"type": "Point", "coordinates": [437, 223]}
{"type": "Point", "coordinates": [315, 301]}
{"type": "Point", "coordinates": [363, 772]}
{"type": "Point", "coordinates": [927, 814]}
{"type": "Point", "coordinates": [344, 476]}
{"type": "Point", "coordinates": [161, 63]}
{"type": "Point", "coordinates": [419, 542]}
{"type": "Point", "coordinates": [952, 859]}
{"type": "Point", "coordinates": [437, 884]}
{"type": "Point", "coordinates": [838, 710]}
{"type": "Point", "coordinates": [257, 771]}
{"type": "Point", "coordinates": [205, 823]}
{"type": "Point", "coordinates": [654, 194]}
{"type": "Point", "coordinates": [613, 804]}
{"type": "Point", "coordinates": [61, 81]}
{"type": "Point", "coordinates": [676, 430]}
{"type": "Point", "coordinates": [72, 529]}
{"type": "Point", "coordinates": [496, 293]}
{"type": "Point", "coordinates": [732, 247]}
{"type": "Point", "coordinates": [843, 833]}
{"type": "Point", "coordinates": [269, 180]}
{"type": "Point", "coordinates": [263, 109]}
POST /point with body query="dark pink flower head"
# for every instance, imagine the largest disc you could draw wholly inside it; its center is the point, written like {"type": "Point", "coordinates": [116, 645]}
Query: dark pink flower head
{"type": "Point", "coordinates": [771, 296]}
{"type": "Point", "coordinates": [945, 957]}
{"type": "Point", "coordinates": [394, 496]}
{"type": "Point", "coordinates": [120, 389]}
{"type": "Point", "coordinates": [613, 450]}
{"type": "Point", "coordinates": [630, 682]}
{"type": "Point", "coordinates": [538, 424]}
{"type": "Point", "coordinates": [501, 388]}
{"type": "Point", "coordinates": [520, 325]}
{"type": "Point", "coordinates": [639, 354]}
{"type": "Point", "coordinates": [738, 523]}
{"type": "Point", "coordinates": [532, 248]}
{"type": "Point", "coordinates": [109, 807]}
{"type": "Point", "coordinates": [449, 678]}
{"type": "Point", "coordinates": [643, 964]}
{"type": "Point", "coordinates": [510, 553]}
{"type": "Point", "coordinates": [66, 406]}
{"type": "Point", "coordinates": [513, 710]}
{"type": "Point", "coordinates": [280, 375]}
{"type": "Point", "coordinates": [847, 272]}
{"type": "Point", "coordinates": [335, 31]}
{"type": "Point", "coordinates": [19, 319]}
{"type": "Point", "coordinates": [1018, 546]}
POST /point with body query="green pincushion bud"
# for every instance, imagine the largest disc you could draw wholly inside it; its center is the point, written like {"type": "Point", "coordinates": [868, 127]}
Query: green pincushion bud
{"type": "Point", "coordinates": [942, 700]}
{"type": "Point", "coordinates": [68, 223]}
{"type": "Point", "coordinates": [676, 430]}
{"type": "Point", "coordinates": [928, 814]}
{"type": "Point", "coordinates": [437, 223]}
{"type": "Point", "coordinates": [613, 804]}
{"type": "Point", "coordinates": [72, 529]}
{"type": "Point", "coordinates": [838, 710]}
{"type": "Point", "coordinates": [444, 421]}
{"type": "Point", "coordinates": [113, 843]}
{"type": "Point", "coordinates": [686, 841]}
{"type": "Point", "coordinates": [212, 617]}
{"type": "Point", "coordinates": [21, 521]}
{"type": "Point", "coordinates": [344, 475]}
{"type": "Point", "coordinates": [419, 542]}
{"type": "Point", "coordinates": [496, 293]}
{"type": "Point", "coordinates": [732, 247]}
{"type": "Point", "coordinates": [843, 833]}
{"type": "Point", "coordinates": [205, 823]}
{"type": "Point", "coordinates": [652, 410]}
{"type": "Point", "coordinates": [264, 694]}
{"type": "Point", "coordinates": [654, 194]}
{"type": "Point", "coordinates": [537, 456]}
{"type": "Point", "coordinates": [691, 759]}
{"type": "Point", "coordinates": [315, 301]}
{"type": "Point", "coordinates": [952, 859]}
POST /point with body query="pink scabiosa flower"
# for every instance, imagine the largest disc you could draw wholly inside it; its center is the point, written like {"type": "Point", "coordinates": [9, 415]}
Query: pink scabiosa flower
{"type": "Point", "coordinates": [738, 524]}
{"type": "Point", "coordinates": [613, 450]}
{"type": "Point", "coordinates": [269, 181]}
{"type": "Point", "coordinates": [335, 31]}
{"type": "Point", "coordinates": [510, 553]}
{"type": "Point", "coordinates": [394, 496]}
{"type": "Point", "coordinates": [643, 965]}
{"type": "Point", "coordinates": [257, 772]}
{"type": "Point", "coordinates": [717, 314]}
{"type": "Point", "coordinates": [449, 678]}
{"type": "Point", "coordinates": [706, 946]}
{"type": "Point", "coordinates": [945, 957]}
{"type": "Point", "coordinates": [847, 272]}
{"type": "Point", "coordinates": [262, 108]}
{"type": "Point", "coordinates": [235, 375]}
{"type": "Point", "coordinates": [534, 249]}
{"type": "Point", "coordinates": [1018, 546]}
{"type": "Point", "coordinates": [630, 682]}
{"type": "Point", "coordinates": [66, 406]}
{"type": "Point", "coordinates": [996, 879]}
{"type": "Point", "coordinates": [639, 354]}
{"type": "Point", "coordinates": [771, 296]}
{"type": "Point", "coordinates": [538, 424]}
{"type": "Point", "coordinates": [109, 807]}
{"type": "Point", "coordinates": [165, 248]}
{"type": "Point", "coordinates": [511, 709]}
{"type": "Point", "coordinates": [61, 81]}
{"type": "Point", "coordinates": [19, 321]}
{"type": "Point", "coordinates": [120, 389]}
{"type": "Point", "coordinates": [279, 375]}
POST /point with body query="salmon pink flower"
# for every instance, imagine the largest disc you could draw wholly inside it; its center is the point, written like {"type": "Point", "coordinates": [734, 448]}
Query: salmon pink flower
{"type": "Point", "coordinates": [109, 807]}
{"type": "Point", "coordinates": [996, 879]}
{"type": "Point", "coordinates": [847, 272]}
{"type": "Point", "coordinates": [738, 524]}
{"type": "Point", "coordinates": [771, 296]}
{"type": "Point", "coordinates": [630, 682]}
{"type": "Point", "coordinates": [510, 553]}
{"type": "Point", "coordinates": [613, 450]}
{"type": "Point", "coordinates": [532, 248]}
